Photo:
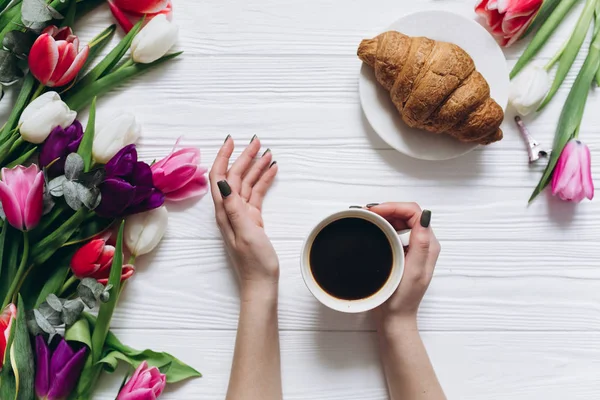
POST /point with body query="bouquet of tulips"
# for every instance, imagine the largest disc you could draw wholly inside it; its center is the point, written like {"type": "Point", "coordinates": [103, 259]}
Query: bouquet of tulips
{"type": "Point", "coordinates": [78, 207]}
{"type": "Point", "coordinates": [569, 166]}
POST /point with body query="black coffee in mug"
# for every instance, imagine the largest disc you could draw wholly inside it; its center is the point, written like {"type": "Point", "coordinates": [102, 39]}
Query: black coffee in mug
{"type": "Point", "coordinates": [351, 258]}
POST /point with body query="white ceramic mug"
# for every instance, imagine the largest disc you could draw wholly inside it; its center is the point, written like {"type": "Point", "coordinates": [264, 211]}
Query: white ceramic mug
{"type": "Point", "coordinates": [397, 241]}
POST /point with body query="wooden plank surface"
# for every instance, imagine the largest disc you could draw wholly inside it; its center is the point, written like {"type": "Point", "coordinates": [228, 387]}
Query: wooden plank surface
{"type": "Point", "coordinates": [513, 310]}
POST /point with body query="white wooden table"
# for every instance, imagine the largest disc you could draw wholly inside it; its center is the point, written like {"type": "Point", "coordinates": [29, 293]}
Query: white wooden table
{"type": "Point", "coordinates": [514, 308]}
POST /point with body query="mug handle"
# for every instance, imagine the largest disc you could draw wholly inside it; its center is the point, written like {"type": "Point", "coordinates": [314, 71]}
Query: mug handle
{"type": "Point", "coordinates": [404, 237]}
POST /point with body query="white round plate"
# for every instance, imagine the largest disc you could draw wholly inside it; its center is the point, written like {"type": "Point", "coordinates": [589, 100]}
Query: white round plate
{"type": "Point", "coordinates": [449, 27]}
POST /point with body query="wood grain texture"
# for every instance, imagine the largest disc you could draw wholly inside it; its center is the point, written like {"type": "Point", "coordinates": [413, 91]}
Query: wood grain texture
{"type": "Point", "coordinates": [345, 365]}
{"type": "Point", "coordinates": [478, 286]}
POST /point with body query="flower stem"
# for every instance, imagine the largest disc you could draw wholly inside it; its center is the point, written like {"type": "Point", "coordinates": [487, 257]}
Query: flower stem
{"type": "Point", "coordinates": [131, 260]}
{"type": "Point", "coordinates": [37, 92]}
{"type": "Point", "coordinates": [69, 282]}
{"type": "Point", "coordinates": [20, 272]}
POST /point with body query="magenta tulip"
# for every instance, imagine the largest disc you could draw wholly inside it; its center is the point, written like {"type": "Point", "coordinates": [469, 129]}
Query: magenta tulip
{"type": "Point", "coordinates": [572, 178]}
{"type": "Point", "coordinates": [147, 383]}
{"type": "Point", "coordinates": [55, 58]}
{"type": "Point", "coordinates": [6, 318]}
{"type": "Point", "coordinates": [22, 196]}
{"type": "Point", "coordinates": [179, 175]}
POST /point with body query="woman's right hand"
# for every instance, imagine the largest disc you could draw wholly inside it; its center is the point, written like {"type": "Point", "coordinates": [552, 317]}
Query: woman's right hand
{"type": "Point", "coordinates": [238, 193]}
{"type": "Point", "coordinates": [420, 260]}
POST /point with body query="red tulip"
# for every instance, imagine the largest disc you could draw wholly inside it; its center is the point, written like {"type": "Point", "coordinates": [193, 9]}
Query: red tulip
{"type": "Point", "coordinates": [125, 11]}
{"type": "Point", "coordinates": [6, 318]}
{"type": "Point", "coordinates": [55, 58]}
{"type": "Point", "coordinates": [508, 19]}
{"type": "Point", "coordinates": [572, 177]}
{"type": "Point", "coordinates": [94, 260]}
{"type": "Point", "coordinates": [179, 175]}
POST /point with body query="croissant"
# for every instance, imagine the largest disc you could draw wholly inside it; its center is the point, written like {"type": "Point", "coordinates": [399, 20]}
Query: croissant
{"type": "Point", "coordinates": [435, 86]}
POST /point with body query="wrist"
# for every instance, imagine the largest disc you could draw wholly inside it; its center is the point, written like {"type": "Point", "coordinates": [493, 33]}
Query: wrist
{"type": "Point", "coordinates": [396, 324]}
{"type": "Point", "coordinates": [263, 292]}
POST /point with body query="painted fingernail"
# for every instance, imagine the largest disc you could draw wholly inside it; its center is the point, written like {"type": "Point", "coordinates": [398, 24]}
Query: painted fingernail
{"type": "Point", "coordinates": [355, 207]}
{"type": "Point", "coordinates": [253, 138]}
{"type": "Point", "coordinates": [226, 139]}
{"type": "Point", "coordinates": [425, 218]}
{"type": "Point", "coordinates": [273, 163]}
{"type": "Point", "coordinates": [266, 152]}
{"type": "Point", "coordinates": [372, 205]}
{"type": "Point", "coordinates": [224, 188]}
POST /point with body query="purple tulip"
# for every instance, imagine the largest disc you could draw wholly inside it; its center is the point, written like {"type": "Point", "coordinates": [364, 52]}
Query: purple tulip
{"type": "Point", "coordinates": [57, 370]}
{"type": "Point", "coordinates": [60, 143]}
{"type": "Point", "coordinates": [128, 187]}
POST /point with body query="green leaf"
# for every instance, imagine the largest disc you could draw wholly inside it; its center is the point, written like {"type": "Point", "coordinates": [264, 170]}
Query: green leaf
{"type": "Point", "coordinates": [568, 56]}
{"type": "Point", "coordinates": [85, 147]}
{"type": "Point", "coordinates": [542, 35]}
{"type": "Point", "coordinates": [79, 332]}
{"type": "Point", "coordinates": [109, 61]}
{"type": "Point", "coordinates": [10, 262]}
{"type": "Point", "coordinates": [82, 98]}
{"type": "Point", "coordinates": [2, 242]}
{"type": "Point", "coordinates": [544, 12]}
{"type": "Point", "coordinates": [46, 247]}
{"type": "Point", "coordinates": [17, 377]}
{"type": "Point", "coordinates": [53, 284]}
{"type": "Point", "coordinates": [106, 309]}
{"type": "Point", "coordinates": [177, 371]}
{"type": "Point", "coordinates": [69, 19]}
{"type": "Point", "coordinates": [23, 158]}
{"type": "Point", "coordinates": [97, 44]}
{"type": "Point", "coordinates": [572, 113]}
{"type": "Point", "coordinates": [88, 230]}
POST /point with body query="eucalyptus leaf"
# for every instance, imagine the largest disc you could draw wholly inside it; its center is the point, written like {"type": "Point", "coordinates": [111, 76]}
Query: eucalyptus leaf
{"type": "Point", "coordinates": [19, 42]}
{"type": "Point", "coordinates": [52, 314]}
{"type": "Point", "coordinates": [9, 69]}
{"type": "Point", "coordinates": [72, 309]}
{"type": "Point", "coordinates": [90, 197]}
{"type": "Point", "coordinates": [74, 166]}
{"type": "Point", "coordinates": [55, 186]}
{"type": "Point", "coordinates": [36, 13]}
{"type": "Point", "coordinates": [54, 302]}
{"type": "Point", "coordinates": [43, 323]}
{"type": "Point", "coordinates": [71, 195]}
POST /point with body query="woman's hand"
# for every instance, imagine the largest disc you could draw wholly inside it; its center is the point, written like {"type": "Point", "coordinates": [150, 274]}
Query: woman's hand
{"type": "Point", "coordinates": [238, 193]}
{"type": "Point", "coordinates": [421, 257]}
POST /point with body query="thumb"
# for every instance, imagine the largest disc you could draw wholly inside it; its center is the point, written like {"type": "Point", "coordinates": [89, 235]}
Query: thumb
{"type": "Point", "coordinates": [234, 207]}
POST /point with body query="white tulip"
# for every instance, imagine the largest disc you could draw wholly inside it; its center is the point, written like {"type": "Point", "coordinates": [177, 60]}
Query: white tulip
{"type": "Point", "coordinates": [42, 115]}
{"type": "Point", "coordinates": [154, 40]}
{"type": "Point", "coordinates": [145, 230]}
{"type": "Point", "coordinates": [528, 89]}
{"type": "Point", "coordinates": [120, 131]}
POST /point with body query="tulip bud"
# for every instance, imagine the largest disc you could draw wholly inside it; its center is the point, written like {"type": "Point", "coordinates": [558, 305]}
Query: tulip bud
{"type": "Point", "coordinates": [22, 196]}
{"type": "Point", "coordinates": [42, 115]}
{"type": "Point", "coordinates": [179, 175]}
{"type": "Point", "coordinates": [145, 383]}
{"type": "Point", "coordinates": [572, 177]}
{"type": "Point", "coordinates": [120, 131]}
{"type": "Point", "coordinates": [94, 260]}
{"type": "Point", "coordinates": [154, 40]}
{"type": "Point", "coordinates": [55, 58]}
{"type": "Point", "coordinates": [528, 89]}
{"type": "Point", "coordinates": [144, 231]}
{"type": "Point", "coordinates": [6, 318]}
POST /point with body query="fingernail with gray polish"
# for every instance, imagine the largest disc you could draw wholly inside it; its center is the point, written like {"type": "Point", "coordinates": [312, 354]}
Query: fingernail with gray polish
{"type": "Point", "coordinates": [226, 139]}
{"type": "Point", "coordinates": [425, 218]}
{"type": "Point", "coordinates": [372, 205]}
{"type": "Point", "coordinates": [355, 207]}
{"type": "Point", "coordinates": [266, 151]}
{"type": "Point", "coordinates": [224, 188]}
{"type": "Point", "coordinates": [253, 138]}
{"type": "Point", "coordinates": [273, 163]}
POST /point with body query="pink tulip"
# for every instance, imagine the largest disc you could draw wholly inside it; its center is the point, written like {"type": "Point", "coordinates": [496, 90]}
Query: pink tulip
{"type": "Point", "coordinates": [6, 318]}
{"type": "Point", "coordinates": [147, 383]}
{"type": "Point", "coordinates": [55, 58]}
{"type": "Point", "coordinates": [572, 178]}
{"type": "Point", "coordinates": [22, 196]}
{"type": "Point", "coordinates": [126, 11]}
{"type": "Point", "coordinates": [179, 175]}
{"type": "Point", "coordinates": [508, 19]}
